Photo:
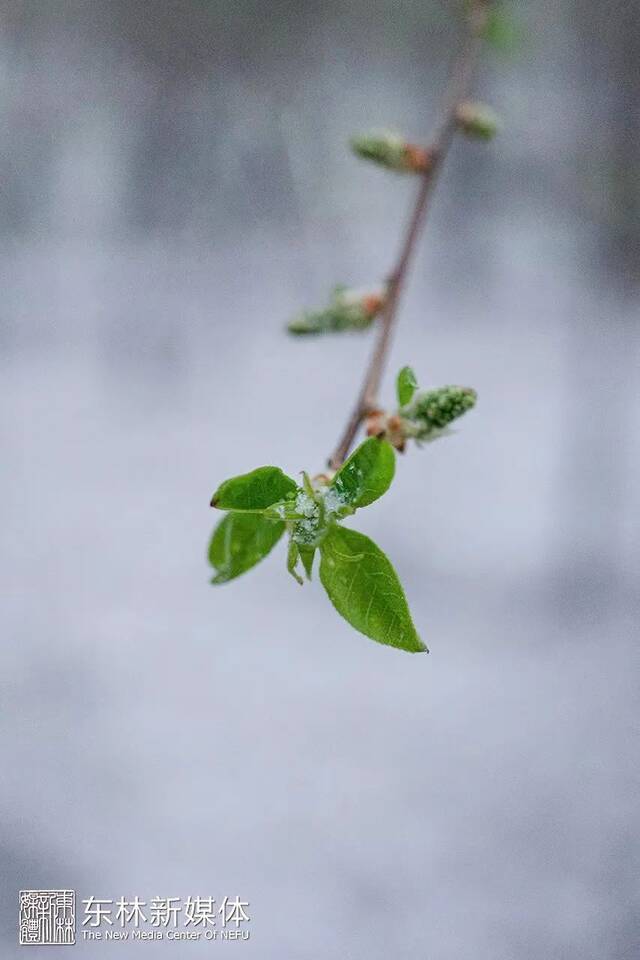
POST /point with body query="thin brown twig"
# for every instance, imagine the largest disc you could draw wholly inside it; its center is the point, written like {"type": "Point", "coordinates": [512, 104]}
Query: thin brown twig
{"type": "Point", "coordinates": [457, 91]}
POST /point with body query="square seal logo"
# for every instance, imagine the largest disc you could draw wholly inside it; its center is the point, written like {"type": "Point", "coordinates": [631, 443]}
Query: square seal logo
{"type": "Point", "coordinates": [47, 916]}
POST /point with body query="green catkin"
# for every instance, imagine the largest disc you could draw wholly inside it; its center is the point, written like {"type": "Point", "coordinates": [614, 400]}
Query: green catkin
{"type": "Point", "coordinates": [433, 410]}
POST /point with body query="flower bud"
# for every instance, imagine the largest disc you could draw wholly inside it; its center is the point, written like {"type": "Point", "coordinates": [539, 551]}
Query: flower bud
{"type": "Point", "coordinates": [477, 120]}
{"type": "Point", "coordinates": [433, 410]}
{"type": "Point", "coordinates": [348, 310]}
{"type": "Point", "coordinates": [393, 152]}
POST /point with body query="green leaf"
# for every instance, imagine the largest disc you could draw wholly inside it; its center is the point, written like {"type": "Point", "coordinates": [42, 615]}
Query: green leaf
{"type": "Point", "coordinates": [406, 386]}
{"type": "Point", "coordinates": [365, 476]}
{"type": "Point", "coordinates": [239, 542]}
{"type": "Point", "coordinates": [364, 588]}
{"type": "Point", "coordinates": [307, 555]}
{"type": "Point", "coordinates": [292, 561]}
{"type": "Point", "coordinates": [254, 491]}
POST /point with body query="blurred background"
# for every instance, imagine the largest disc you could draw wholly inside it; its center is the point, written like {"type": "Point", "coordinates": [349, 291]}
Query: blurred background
{"type": "Point", "coordinates": [175, 186]}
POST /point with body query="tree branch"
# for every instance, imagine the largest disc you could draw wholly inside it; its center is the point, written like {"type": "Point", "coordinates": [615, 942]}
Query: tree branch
{"type": "Point", "coordinates": [457, 91]}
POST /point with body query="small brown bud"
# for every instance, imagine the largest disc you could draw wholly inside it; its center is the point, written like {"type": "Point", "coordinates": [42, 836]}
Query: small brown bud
{"type": "Point", "coordinates": [418, 159]}
{"type": "Point", "coordinates": [376, 423]}
{"type": "Point", "coordinates": [372, 304]}
{"type": "Point", "coordinates": [395, 432]}
{"type": "Point", "coordinates": [390, 426]}
{"type": "Point", "coordinates": [321, 480]}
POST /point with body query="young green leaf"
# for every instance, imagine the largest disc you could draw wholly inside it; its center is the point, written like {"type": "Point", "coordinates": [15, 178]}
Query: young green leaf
{"type": "Point", "coordinates": [254, 491]}
{"type": "Point", "coordinates": [364, 588]}
{"type": "Point", "coordinates": [239, 542]}
{"type": "Point", "coordinates": [292, 561]}
{"type": "Point", "coordinates": [406, 386]}
{"type": "Point", "coordinates": [365, 476]}
{"type": "Point", "coordinates": [307, 555]}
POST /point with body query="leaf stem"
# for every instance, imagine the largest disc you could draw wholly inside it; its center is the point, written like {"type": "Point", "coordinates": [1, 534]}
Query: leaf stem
{"type": "Point", "coordinates": [457, 91]}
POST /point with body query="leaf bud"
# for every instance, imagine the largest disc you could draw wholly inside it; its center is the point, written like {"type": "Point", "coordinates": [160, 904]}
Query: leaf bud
{"type": "Point", "coordinates": [477, 120]}
{"type": "Point", "coordinates": [389, 427]}
{"type": "Point", "coordinates": [393, 152]}
{"type": "Point", "coordinates": [347, 310]}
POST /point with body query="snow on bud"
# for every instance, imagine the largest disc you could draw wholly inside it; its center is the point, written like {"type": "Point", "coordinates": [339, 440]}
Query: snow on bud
{"type": "Point", "coordinates": [477, 120]}
{"type": "Point", "coordinates": [393, 152]}
{"type": "Point", "coordinates": [348, 310]}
